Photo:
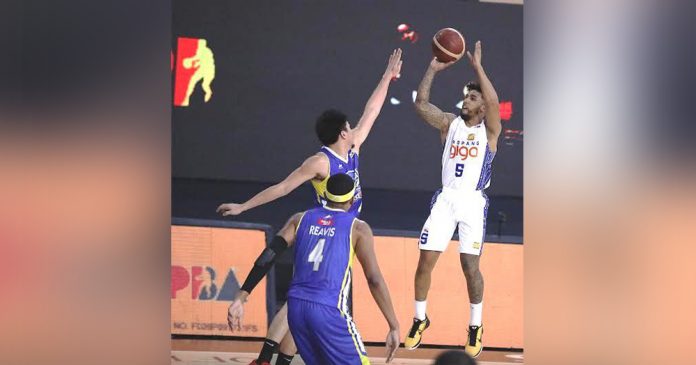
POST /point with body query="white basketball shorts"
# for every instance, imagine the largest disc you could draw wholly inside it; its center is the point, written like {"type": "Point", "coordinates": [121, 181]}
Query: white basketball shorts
{"type": "Point", "coordinates": [450, 209]}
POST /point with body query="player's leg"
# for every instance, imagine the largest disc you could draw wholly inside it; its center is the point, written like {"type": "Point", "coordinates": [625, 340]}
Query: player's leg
{"type": "Point", "coordinates": [469, 256]}
{"type": "Point", "coordinates": [435, 236]}
{"type": "Point", "coordinates": [287, 350]}
{"type": "Point", "coordinates": [471, 236]}
{"type": "Point", "coordinates": [426, 264]}
{"type": "Point", "coordinates": [474, 285]}
{"type": "Point", "coordinates": [279, 326]}
{"type": "Point", "coordinates": [421, 322]}
{"type": "Point", "coordinates": [276, 333]}
{"type": "Point", "coordinates": [302, 332]}
{"type": "Point", "coordinates": [337, 337]}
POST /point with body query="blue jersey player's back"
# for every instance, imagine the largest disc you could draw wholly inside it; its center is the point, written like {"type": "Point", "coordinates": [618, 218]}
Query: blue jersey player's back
{"type": "Point", "coordinates": [323, 257]}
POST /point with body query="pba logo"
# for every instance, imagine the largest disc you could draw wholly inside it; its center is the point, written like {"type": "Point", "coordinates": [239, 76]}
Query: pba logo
{"type": "Point", "coordinates": [326, 220]}
{"type": "Point", "coordinates": [195, 64]}
{"type": "Point", "coordinates": [203, 282]}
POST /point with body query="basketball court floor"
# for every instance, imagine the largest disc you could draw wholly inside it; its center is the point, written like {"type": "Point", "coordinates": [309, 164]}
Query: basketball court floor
{"type": "Point", "coordinates": [189, 352]}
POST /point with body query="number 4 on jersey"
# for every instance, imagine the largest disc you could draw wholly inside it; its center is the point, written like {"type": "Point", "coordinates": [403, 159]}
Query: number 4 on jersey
{"type": "Point", "coordinates": [317, 254]}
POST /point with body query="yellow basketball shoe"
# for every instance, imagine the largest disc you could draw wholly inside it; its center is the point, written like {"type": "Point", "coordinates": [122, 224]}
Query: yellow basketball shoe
{"type": "Point", "coordinates": [413, 340]}
{"type": "Point", "coordinates": [474, 346]}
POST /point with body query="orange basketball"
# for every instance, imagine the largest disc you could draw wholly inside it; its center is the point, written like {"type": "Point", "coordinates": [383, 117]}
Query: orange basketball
{"type": "Point", "coordinates": [448, 45]}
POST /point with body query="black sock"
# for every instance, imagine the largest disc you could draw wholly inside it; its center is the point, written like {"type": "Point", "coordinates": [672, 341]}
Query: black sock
{"type": "Point", "coordinates": [269, 347]}
{"type": "Point", "coordinates": [284, 359]}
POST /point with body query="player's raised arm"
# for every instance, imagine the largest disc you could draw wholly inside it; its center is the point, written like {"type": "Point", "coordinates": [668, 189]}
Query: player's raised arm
{"type": "Point", "coordinates": [365, 251]}
{"type": "Point", "coordinates": [429, 112]}
{"type": "Point", "coordinates": [284, 239]}
{"type": "Point", "coordinates": [374, 104]}
{"type": "Point", "coordinates": [315, 166]}
{"type": "Point", "coordinates": [490, 98]}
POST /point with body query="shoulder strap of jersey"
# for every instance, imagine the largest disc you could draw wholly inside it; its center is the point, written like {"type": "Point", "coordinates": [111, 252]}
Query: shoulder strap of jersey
{"type": "Point", "coordinates": [352, 237]}
{"type": "Point", "coordinates": [300, 222]}
{"type": "Point", "coordinates": [324, 151]}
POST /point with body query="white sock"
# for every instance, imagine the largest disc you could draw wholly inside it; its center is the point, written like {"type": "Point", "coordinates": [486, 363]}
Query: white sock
{"type": "Point", "coordinates": [420, 309]}
{"type": "Point", "coordinates": [476, 314]}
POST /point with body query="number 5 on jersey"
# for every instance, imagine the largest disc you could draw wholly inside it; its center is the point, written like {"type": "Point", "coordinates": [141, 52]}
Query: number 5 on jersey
{"type": "Point", "coordinates": [316, 256]}
{"type": "Point", "coordinates": [459, 170]}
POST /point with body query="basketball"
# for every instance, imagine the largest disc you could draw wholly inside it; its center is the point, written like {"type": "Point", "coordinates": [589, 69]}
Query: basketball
{"type": "Point", "coordinates": [448, 45]}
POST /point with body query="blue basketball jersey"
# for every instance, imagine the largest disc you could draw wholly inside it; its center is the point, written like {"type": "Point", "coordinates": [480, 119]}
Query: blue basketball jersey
{"type": "Point", "coordinates": [323, 257]}
{"type": "Point", "coordinates": [338, 165]}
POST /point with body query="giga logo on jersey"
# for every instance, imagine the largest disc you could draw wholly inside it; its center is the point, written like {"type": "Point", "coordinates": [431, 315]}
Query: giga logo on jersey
{"type": "Point", "coordinates": [464, 149]}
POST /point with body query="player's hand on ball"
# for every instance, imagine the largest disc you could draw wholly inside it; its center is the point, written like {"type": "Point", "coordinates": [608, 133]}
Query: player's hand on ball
{"type": "Point", "coordinates": [230, 209]}
{"type": "Point", "coordinates": [394, 65]}
{"type": "Point", "coordinates": [392, 344]}
{"type": "Point", "coordinates": [439, 66]}
{"type": "Point", "coordinates": [475, 60]}
{"type": "Point", "coordinates": [235, 314]}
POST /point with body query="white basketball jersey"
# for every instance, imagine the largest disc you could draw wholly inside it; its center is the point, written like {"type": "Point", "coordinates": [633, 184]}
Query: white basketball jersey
{"type": "Point", "coordinates": [466, 158]}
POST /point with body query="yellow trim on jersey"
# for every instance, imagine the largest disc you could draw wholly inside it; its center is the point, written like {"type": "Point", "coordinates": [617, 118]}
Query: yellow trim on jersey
{"type": "Point", "coordinates": [354, 335]}
{"type": "Point", "coordinates": [320, 186]}
{"type": "Point", "coordinates": [299, 223]}
{"type": "Point", "coordinates": [341, 301]}
{"type": "Point", "coordinates": [348, 267]}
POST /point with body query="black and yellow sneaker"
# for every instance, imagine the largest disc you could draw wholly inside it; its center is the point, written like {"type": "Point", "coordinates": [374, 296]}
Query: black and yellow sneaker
{"type": "Point", "coordinates": [413, 340]}
{"type": "Point", "coordinates": [474, 346]}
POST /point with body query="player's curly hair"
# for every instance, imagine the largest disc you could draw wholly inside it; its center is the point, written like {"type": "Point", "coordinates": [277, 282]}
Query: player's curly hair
{"type": "Point", "coordinates": [470, 86]}
{"type": "Point", "coordinates": [329, 126]}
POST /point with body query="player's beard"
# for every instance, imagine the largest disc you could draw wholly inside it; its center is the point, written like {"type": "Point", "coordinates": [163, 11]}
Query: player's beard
{"type": "Point", "coordinates": [465, 116]}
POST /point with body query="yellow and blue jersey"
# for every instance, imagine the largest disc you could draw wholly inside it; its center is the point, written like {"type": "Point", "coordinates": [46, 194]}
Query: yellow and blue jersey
{"type": "Point", "coordinates": [338, 165]}
{"type": "Point", "coordinates": [318, 314]}
{"type": "Point", "coordinates": [323, 257]}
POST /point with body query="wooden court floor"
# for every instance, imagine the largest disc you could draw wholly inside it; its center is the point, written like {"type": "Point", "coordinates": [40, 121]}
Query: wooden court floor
{"type": "Point", "coordinates": [190, 352]}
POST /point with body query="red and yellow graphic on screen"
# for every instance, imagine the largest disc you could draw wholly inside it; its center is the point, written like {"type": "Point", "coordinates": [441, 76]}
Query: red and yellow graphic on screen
{"type": "Point", "coordinates": [195, 67]}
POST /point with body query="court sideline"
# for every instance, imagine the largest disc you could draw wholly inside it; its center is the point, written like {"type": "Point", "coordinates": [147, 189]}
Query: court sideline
{"type": "Point", "coordinates": [190, 352]}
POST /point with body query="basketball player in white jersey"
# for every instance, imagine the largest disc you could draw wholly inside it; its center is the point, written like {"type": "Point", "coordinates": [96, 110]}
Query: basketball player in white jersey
{"type": "Point", "coordinates": [470, 142]}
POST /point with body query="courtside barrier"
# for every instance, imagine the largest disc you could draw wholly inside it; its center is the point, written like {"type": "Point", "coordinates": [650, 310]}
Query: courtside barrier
{"type": "Point", "coordinates": [210, 260]}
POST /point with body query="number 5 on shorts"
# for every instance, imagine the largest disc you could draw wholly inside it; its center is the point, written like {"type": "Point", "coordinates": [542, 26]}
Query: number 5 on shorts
{"type": "Point", "coordinates": [316, 255]}
{"type": "Point", "coordinates": [459, 170]}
